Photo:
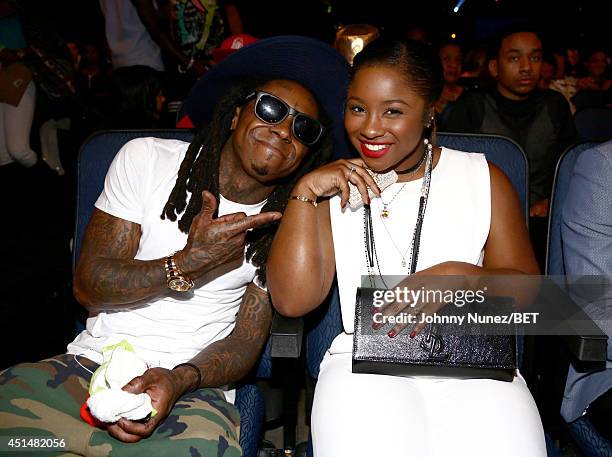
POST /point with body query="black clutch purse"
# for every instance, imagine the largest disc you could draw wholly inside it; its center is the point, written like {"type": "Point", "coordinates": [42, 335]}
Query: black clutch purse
{"type": "Point", "coordinates": [471, 349]}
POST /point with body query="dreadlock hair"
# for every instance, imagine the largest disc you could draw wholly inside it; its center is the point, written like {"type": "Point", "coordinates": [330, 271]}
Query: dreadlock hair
{"type": "Point", "coordinates": [199, 170]}
{"type": "Point", "coordinates": [417, 62]}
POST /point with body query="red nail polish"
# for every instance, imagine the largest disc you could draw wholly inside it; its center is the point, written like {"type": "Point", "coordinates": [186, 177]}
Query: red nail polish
{"type": "Point", "coordinates": [392, 334]}
{"type": "Point", "coordinates": [412, 334]}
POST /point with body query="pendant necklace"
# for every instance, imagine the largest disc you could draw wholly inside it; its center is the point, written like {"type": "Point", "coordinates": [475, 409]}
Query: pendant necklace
{"type": "Point", "coordinates": [402, 254]}
{"type": "Point", "coordinates": [385, 211]}
{"type": "Point", "coordinates": [370, 246]}
{"type": "Point", "coordinates": [410, 171]}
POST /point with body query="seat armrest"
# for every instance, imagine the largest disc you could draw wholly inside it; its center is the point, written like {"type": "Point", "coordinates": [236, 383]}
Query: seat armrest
{"type": "Point", "coordinates": [586, 348]}
{"type": "Point", "coordinates": [586, 343]}
{"type": "Point", "coordinates": [286, 336]}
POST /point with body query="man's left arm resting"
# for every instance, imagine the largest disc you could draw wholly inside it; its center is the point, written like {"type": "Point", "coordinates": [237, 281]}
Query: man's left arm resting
{"type": "Point", "coordinates": [224, 362]}
{"type": "Point", "coordinates": [231, 359]}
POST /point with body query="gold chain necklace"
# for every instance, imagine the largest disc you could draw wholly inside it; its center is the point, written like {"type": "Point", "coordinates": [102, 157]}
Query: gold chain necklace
{"type": "Point", "coordinates": [410, 171]}
{"type": "Point", "coordinates": [385, 210]}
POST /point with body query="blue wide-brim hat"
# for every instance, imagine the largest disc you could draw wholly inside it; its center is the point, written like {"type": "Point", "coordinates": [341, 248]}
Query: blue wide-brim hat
{"type": "Point", "coordinates": [314, 64]}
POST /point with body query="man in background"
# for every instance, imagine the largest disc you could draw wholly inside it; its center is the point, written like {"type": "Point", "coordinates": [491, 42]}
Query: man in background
{"type": "Point", "coordinates": [539, 120]}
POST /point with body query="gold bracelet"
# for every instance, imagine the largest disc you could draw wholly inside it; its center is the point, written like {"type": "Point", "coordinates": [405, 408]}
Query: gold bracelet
{"type": "Point", "coordinates": [303, 199]}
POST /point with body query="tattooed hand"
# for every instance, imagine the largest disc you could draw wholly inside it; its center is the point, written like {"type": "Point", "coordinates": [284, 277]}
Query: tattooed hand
{"type": "Point", "coordinates": [107, 274]}
{"type": "Point", "coordinates": [213, 242]}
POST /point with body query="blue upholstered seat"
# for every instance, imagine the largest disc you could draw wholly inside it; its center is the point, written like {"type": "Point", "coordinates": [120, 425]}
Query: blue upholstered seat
{"type": "Point", "coordinates": [585, 435]}
{"type": "Point", "coordinates": [563, 174]}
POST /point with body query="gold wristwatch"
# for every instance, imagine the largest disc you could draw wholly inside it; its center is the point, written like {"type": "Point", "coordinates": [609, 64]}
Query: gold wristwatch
{"type": "Point", "coordinates": [176, 279]}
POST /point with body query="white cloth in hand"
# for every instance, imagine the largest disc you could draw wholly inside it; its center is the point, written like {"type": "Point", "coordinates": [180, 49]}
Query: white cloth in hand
{"type": "Point", "coordinates": [112, 404]}
{"type": "Point", "coordinates": [107, 402]}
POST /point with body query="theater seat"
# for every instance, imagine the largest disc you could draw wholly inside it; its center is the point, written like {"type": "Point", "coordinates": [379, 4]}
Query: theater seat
{"type": "Point", "coordinates": [590, 442]}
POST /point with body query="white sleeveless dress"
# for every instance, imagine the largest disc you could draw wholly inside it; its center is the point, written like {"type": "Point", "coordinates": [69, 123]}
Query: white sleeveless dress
{"type": "Point", "coordinates": [376, 415]}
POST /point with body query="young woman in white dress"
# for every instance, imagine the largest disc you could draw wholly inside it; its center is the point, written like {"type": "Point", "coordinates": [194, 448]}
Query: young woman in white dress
{"type": "Point", "coordinates": [471, 223]}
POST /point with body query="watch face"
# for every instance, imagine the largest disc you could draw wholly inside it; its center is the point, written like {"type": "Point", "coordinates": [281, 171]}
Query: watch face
{"type": "Point", "coordinates": [180, 284]}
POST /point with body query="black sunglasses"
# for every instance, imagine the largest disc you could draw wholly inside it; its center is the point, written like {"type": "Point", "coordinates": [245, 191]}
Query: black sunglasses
{"type": "Point", "coordinates": [272, 110]}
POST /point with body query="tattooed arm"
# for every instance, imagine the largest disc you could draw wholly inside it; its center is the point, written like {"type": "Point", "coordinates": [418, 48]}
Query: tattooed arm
{"type": "Point", "coordinates": [221, 363]}
{"type": "Point", "coordinates": [229, 360]}
{"type": "Point", "coordinates": [108, 276]}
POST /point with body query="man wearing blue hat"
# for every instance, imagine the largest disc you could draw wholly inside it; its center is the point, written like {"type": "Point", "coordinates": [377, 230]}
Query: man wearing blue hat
{"type": "Point", "coordinates": [172, 269]}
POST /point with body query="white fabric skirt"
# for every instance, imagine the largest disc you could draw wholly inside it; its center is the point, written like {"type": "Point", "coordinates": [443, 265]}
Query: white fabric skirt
{"type": "Point", "coordinates": [368, 415]}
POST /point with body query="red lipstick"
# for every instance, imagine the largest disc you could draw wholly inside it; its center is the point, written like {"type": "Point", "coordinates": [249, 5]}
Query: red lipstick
{"type": "Point", "coordinates": [374, 150]}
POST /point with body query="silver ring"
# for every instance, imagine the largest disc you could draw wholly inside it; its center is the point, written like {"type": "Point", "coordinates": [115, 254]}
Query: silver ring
{"type": "Point", "coordinates": [350, 172]}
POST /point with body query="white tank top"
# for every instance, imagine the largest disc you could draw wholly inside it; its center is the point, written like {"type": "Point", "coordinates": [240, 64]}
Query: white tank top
{"type": "Point", "coordinates": [455, 227]}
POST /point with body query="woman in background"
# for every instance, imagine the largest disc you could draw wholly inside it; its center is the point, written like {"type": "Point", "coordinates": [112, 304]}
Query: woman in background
{"type": "Point", "coordinates": [17, 92]}
{"type": "Point", "coordinates": [450, 57]}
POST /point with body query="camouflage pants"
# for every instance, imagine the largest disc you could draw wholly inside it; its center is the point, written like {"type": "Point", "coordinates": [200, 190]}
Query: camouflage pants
{"type": "Point", "coordinates": [43, 399]}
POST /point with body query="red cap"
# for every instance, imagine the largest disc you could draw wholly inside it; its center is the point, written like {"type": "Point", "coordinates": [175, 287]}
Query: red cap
{"type": "Point", "coordinates": [185, 123]}
{"type": "Point", "coordinates": [232, 44]}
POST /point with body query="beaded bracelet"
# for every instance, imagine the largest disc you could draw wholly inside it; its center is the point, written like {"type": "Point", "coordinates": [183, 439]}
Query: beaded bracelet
{"type": "Point", "coordinates": [304, 199]}
{"type": "Point", "coordinates": [195, 367]}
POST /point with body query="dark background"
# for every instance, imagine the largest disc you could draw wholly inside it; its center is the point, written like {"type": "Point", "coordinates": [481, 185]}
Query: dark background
{"type": "Point", "coordinates": [562, 23]}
